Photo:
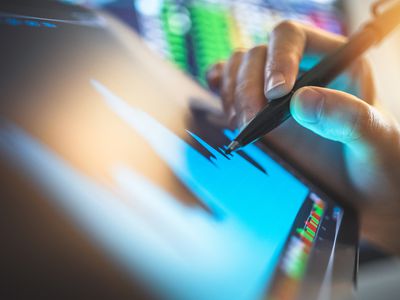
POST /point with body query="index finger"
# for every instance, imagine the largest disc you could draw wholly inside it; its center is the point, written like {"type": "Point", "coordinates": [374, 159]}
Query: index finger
{"type": "Point", "coordinates": [289, 41]}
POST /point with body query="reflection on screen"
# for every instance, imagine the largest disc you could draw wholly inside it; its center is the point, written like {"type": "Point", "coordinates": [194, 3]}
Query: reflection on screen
{"type": "Point", "coordinates": [185, 251]}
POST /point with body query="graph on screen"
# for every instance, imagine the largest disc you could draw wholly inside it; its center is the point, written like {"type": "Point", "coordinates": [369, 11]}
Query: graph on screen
{"type": "Point", "coordinates": [218, 183]}
{"type": "Point", "coordinates": [184, 249]}
{"type": "Point", "coordinates": [300, 245]}
{"type": "Point", "coordinates": [194, 34]}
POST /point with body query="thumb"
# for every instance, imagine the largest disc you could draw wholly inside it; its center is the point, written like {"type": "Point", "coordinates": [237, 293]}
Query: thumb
{"type": "Point", "coordinates": [339, 116]}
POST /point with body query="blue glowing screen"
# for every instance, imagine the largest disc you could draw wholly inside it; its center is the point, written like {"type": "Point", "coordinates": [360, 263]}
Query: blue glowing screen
{"type": "Point", "coordinates": [186, 251]}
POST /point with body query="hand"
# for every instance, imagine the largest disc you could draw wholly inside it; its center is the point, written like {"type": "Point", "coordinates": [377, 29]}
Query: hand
{"type": "Point", "coordinates": [349, 145]}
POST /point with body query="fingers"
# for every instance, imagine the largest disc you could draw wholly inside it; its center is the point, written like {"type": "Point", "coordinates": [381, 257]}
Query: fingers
{"type": "Point", "coordinates": [246, 79]}
{"type": "Point", "coordinates": [227, 89]}
{"type": "Point", "coordinates": [240, 84]}
{"type": "Point", "coordinates": [286, 48]}
{"type": "Point", "coordinates": [288, 43]}
{"type": "Point", "coordinates": [249, 94]}
{"type": "Point", "coordinates": [214, 76]}
{"type": "Point", "coordinates": [340, 117]}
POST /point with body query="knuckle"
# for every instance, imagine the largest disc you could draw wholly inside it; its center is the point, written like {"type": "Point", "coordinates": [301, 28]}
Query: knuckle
{"type": "Point", "coordinates": [365, 123]}
{"type": "Point", "coordinates": [233, 64]}
{"type": "Point", "coordinates": [285, 62]}
{"type": "Point", "coordinates": [286, 26]}
{"type": "Point", "coordinates": [291, 59]}
{"type": "Point", "coordinates": [257, 49]}
{"type": "Point", "coordinates": [369, 123]}
{"type": "Point", "coordinates": [215, 68]}
{"type": "Point", "coordinates": [238, 53]}
{"type": "Point", "coordinates": [246, 93]}
{"type": "Point", "coordinates": [236, 56]}
{"type": "Point", "coordinates": [218, 66]}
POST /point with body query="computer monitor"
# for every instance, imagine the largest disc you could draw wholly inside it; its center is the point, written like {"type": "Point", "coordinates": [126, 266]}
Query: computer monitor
{"type": "Point", "coordinates": [194, 34]}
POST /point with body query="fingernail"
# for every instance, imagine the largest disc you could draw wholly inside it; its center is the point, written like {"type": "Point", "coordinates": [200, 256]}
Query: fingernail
{"type": "Point", "coordinates": [276, 86]}
{"type": "Point", "coordinates": [308, 104]}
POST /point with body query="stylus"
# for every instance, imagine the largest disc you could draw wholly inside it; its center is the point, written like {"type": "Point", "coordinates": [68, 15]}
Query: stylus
{"type": "Point", "coordinates": [278, 111]}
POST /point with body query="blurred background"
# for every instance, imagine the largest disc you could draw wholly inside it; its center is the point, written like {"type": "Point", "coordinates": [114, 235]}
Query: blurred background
{"type": "Point", "coordinates": [193, 34]}
{"type": "Point", "coordinates": [196, 33]}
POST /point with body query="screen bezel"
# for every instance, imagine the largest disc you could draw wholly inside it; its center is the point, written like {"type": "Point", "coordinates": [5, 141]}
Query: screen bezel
{"type": "Point", "coordinates": [348, 238]}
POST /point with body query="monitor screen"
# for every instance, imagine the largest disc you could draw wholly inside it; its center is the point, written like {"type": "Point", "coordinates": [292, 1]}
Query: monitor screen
{"type": "Point", "coordinates": [194, 34]}
{"type": "Point", "coordinates": [131, 151]}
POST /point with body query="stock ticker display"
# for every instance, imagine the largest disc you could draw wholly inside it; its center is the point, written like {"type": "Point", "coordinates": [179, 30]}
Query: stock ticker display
{"type": "Point", "coordinates": [194, 34]}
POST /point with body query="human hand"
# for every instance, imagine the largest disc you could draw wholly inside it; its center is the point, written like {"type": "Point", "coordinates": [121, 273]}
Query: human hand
{"type": "Point", "coordinates": [349, 144]}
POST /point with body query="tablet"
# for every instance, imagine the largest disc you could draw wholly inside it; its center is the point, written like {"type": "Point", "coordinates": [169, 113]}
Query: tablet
{"type": "Point", "coordinates": [115, 184]}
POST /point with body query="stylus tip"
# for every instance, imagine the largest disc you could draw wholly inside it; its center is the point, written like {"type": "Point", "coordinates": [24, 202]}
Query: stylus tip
{"type": "Point", "coordinates": [233, 146]}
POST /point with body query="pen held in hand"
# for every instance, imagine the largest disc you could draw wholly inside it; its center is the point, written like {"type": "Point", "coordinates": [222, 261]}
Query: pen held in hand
{"type": "Point", "coordinates": [278, 110]}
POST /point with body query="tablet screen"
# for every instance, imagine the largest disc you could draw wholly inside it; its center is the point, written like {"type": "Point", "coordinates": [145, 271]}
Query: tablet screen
{"type": "Point", "coordinates": [132, 152]}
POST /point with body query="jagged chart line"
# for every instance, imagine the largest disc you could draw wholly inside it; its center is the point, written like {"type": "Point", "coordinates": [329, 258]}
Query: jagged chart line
{"type": "Point", "coordinates": [218, 184]}
{"type": "Point", "coordinates": [183, 249]}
